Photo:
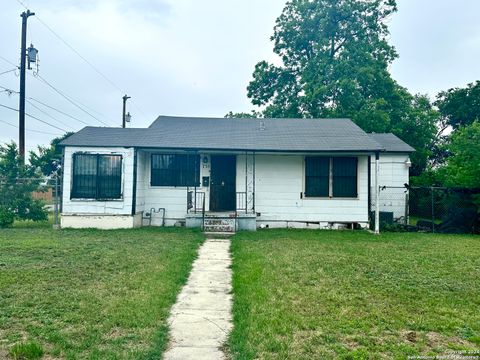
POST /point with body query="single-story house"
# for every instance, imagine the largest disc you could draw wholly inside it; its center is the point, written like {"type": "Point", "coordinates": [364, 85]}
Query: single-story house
{"type": "Point", "coordinates": [228, 173]}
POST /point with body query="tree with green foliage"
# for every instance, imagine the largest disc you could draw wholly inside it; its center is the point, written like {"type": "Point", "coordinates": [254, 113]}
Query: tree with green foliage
{"type": "Point", "coordinates": [459, 106]}
{"type": "Point", "coordinates": [244, 115]}
{"type": "Point", "coordinates": [463, 164]}
{"type": "Point", "coordinates": [335, 59]}
{"type": "Point", "coordinates": [49, 158]}
{"type": "Point", "coordinates": [17, 182]}
{"type": "Point", "coordinates": [417, 127]}
{"type": "Point", "coordinates": [334, 63]}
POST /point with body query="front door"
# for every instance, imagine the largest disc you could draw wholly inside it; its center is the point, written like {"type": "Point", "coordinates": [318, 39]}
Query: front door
{"type": "Point", "coordinates": [222, 182]}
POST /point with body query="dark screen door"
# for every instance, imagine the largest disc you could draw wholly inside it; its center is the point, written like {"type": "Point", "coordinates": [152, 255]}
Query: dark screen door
{"type": "Point", "coordinates": [222, 183]}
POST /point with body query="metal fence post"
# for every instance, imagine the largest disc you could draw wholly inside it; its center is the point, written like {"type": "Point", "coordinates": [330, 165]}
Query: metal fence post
{"type": "Point", "coordinates": [433, 209]}
{"type": "Point", "coordinates": [407, 212]}
{"type": "Point", "coordinates": [55, 202]}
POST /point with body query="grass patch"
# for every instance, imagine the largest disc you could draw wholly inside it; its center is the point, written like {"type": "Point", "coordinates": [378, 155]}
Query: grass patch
{"type": "Point", "coordinates": [26, 351]}
{"type": "Point", "coordinates": [90, 293]}
{"type": "Point", "coordinates": [413, 220]}
{"type": "Point", "coordinates": [353, 295]}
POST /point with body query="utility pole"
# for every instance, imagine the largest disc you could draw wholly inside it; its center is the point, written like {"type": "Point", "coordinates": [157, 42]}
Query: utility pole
{"type": "Point", "coordinates": [125, 98]}
{"type": "Point", "coordinates": [21, 113]}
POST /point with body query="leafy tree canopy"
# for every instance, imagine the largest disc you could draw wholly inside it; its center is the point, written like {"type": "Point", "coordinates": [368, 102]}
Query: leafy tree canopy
{"type": "Point", "coordinates": [334, 60]}
{"type": "Point", "coordinates": [334, 63]}
{"type": "Point", "coordinates": [463, 165]}
{"type": "Point", "coordinates": [10, 164]}
{"type": "Point", "coordinates": [244, 115]}
{"type": "Point", "coordinates": [460, 106]}
{"type": "Point", "coordinates": [48, 159]}
{"type": "Point", "coordinates": [17, 182]}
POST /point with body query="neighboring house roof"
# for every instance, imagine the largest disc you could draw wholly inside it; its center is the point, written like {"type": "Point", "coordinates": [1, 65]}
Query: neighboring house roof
{"type": "Point", "coordinates": [169, 132]}
{"type": "Point", "coordinates": [391, 143]}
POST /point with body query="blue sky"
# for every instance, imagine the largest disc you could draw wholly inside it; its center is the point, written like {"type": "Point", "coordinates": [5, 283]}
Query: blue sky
{"type": "Point", "coordinates": [186, 57]}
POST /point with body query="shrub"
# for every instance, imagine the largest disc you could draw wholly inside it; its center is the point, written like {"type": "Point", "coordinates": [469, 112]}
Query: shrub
{"type": "Point", "coordinates": [6, 217]}
{"type": "Point", "coordinates": [31, 209]}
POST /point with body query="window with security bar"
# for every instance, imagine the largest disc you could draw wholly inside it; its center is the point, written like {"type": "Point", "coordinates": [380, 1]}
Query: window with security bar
{"type": "Point", "coordinates": [175, 170]}
{"type": "Point", "coordinates": [334, 177]}
{"type": "Point", "coordinates": [97, 176]}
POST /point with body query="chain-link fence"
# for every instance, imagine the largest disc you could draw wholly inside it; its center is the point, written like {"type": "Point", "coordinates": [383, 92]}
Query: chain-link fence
{"type": "Point", "coordinates": [36, 199]}
{"type": "Point", "coordinates": [431, 209]}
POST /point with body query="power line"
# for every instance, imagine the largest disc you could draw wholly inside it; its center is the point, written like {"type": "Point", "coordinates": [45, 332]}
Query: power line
{"type": "Point", "coordinates": [10, 91]}
{"type": "Point", "coordinates": [70, 100]}
{"type": "Point", "coordinates": [46, 105]}
{"type": "Point", "coordinates": [50, 116]}
{"type": "Point", "coordinates": [8, 61]}
{"type": "Point", "coordinates": [36, 131]}
{"type": "Point", "coordinates": [82, 57]}
{"type": "Point", "coordinates": [8, 71]}
{"type": "Point", "coordinates": [59, 111]}
{"type": "Point", "coordinates": [34, 117]}
{"type": "Point", "coordinates": [76, 103]}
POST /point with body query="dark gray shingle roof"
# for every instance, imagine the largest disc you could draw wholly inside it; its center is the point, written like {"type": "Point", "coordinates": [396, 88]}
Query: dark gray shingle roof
{"type": "Point", "coordinates": [233, 134]}
{"type": "Point", "coordinates": [391, 143]}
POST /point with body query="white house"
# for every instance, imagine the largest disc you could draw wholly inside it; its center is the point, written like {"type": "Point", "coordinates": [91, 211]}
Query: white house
{"type": "Point", "coordinates": [227, 173]}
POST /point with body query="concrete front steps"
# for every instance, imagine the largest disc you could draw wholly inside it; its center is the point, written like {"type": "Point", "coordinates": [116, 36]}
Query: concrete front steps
{"type": "Point", "coordinates": [219, 226]}
{"type": "Point", "coordinates": [221, 222]}
{"type": "Point", "coordinates": [216, 223]}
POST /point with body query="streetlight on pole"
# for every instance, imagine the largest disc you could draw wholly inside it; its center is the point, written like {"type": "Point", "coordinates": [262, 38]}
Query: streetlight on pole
{"type": "Point", "coordinates": [124, 115]}
{"type": "Point", "coordinates": [21, 112]}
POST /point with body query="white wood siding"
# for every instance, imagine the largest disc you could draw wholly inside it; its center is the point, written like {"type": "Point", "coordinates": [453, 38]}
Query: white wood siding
{"type": "Point", "coordinates": [279, 183]}
{"type": "Point", "coordinates": [122, 206]}
{"type": "Point", "coordinates": [172, 199]}
{"type": "Point", "coordinates": [393, 173]}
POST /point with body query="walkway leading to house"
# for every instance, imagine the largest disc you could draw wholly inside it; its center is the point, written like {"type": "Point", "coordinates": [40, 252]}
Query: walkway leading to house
{"type": "Point", "coordinates": [201, 319]}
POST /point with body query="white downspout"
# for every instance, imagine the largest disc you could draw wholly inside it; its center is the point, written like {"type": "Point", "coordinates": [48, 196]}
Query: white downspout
{"type": "Point", "coordinates": [377, 194]}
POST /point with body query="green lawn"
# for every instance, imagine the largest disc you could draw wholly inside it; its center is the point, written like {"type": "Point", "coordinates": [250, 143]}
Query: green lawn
{"type": "Point", "coordinates": [90, 294]}
{"type": "Point", "coordinates": [352, 295]}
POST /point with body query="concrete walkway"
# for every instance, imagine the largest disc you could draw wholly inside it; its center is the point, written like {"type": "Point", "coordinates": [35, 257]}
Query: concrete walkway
{"type": "Point", "coordinates": [201, 319]}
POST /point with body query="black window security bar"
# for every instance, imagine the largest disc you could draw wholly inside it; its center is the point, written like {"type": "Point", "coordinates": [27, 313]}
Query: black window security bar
{"type": "Point", "coordinates": [175, 170]}
{"type": "Point", "coordinates": [330, 176]}
{"type": "Point", "coordinates": [344, 177]}
{"type": "Point", "coordinates": [97, 176]}
{"type": "Point", "coordinates": [317, 173]}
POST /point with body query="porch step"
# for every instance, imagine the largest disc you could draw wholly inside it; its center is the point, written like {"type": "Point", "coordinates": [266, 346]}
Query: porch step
{"type": "Point", "coordinates": [218, 234]}
{"type": "Point", "coordinates": [219, 228]}
{"type": "Point", "coordinates": [218, 224]}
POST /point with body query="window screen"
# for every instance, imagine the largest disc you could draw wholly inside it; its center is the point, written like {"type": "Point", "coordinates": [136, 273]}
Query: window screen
{"type": "Point", "coordinates": [97, 176]}
{"type": "Point", "coordinates": [344, 177]}
{"type": "Point", "coordinates": [317, 171]}
{"type": "Point", "coordinates": [175, 170]}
